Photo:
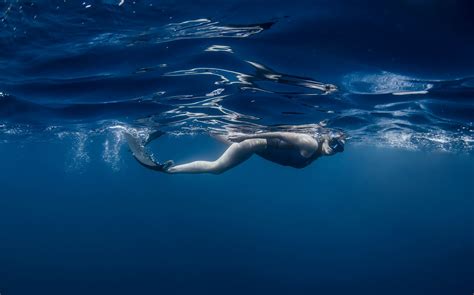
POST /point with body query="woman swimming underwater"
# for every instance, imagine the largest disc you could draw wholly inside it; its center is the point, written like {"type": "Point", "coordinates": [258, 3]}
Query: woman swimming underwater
{"type": "Point", "coordinates": [297, 150]}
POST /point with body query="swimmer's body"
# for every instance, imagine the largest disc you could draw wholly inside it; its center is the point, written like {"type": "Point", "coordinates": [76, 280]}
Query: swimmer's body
{"type": "Point", "coordinates": [285, 148]}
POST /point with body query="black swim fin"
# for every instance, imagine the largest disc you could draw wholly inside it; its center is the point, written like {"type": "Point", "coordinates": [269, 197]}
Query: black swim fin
{"type": "Point", "coordinates": [142, 156]}
{"type": "Point", "coordinates": [154, 135]}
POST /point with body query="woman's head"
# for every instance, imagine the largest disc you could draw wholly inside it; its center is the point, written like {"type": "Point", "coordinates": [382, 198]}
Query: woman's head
{"type": "Point", "coordinates": [333, 143]}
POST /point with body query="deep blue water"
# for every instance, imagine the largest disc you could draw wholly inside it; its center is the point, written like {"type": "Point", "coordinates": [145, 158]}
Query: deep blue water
{"type": "Point", "coordinates": [392, 214]}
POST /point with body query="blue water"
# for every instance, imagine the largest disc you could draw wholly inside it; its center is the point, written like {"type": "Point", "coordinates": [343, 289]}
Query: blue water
{"type": "Point", "coordinates": [392, 214]}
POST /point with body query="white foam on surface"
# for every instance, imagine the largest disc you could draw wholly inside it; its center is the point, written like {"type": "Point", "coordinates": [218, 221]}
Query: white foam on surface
{"type": "Point", "coordinates": [384, 83]}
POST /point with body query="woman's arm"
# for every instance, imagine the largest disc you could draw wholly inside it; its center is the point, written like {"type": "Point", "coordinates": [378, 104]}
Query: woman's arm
{"type": "Point", "coordinates": [306, 143]}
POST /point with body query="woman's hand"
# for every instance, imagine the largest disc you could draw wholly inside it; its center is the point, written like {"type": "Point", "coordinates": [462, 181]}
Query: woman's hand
{"type": "Point", "coordinates": [238, 137]}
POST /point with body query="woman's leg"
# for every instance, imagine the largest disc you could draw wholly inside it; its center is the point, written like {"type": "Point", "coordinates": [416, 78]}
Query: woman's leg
{"type": "Point", "coordinates": [233, 156]}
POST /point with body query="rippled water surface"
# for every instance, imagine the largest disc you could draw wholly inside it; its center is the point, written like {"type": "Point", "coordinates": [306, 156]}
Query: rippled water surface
{"type": "Point", "coordinates": [369, 69]}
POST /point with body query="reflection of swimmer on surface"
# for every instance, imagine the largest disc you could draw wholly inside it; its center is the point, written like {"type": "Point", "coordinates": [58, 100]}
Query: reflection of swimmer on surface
{"type": "Point", "coordinates": [285, 148]}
